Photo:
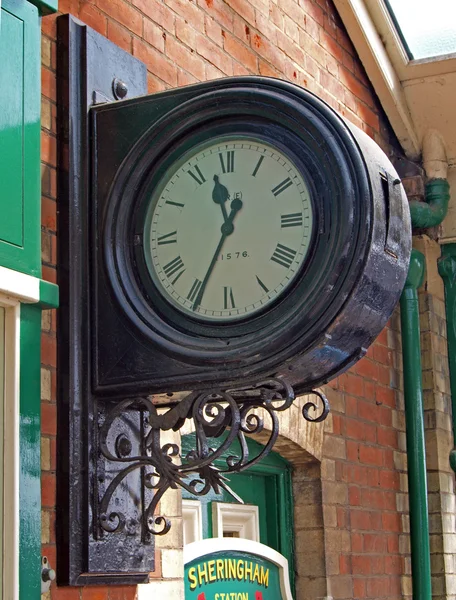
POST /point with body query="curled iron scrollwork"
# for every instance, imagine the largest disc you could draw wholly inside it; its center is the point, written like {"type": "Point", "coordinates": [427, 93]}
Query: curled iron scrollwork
{"type": "Point", "coordinates": [221, 420]}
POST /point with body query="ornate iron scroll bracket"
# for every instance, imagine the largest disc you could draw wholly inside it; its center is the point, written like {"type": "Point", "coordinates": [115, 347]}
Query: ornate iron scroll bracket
{"type": "Point", "coordinates": [130, 442]}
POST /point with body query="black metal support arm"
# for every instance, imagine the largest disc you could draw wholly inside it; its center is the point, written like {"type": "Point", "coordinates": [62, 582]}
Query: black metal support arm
{"type": "Point", "coordinates": [221, 420]}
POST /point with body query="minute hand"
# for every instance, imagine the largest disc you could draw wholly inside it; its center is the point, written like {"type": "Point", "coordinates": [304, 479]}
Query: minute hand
{"type": "Point", "coordinates": [226, 229]}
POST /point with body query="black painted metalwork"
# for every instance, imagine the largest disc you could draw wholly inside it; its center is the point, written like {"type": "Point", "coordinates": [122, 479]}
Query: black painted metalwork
{"type": "Point", "coordinates": [127, 356]}
{"type": "Point", "coordinates": [87, 67]}
{"type": "Point", "coordinates": [236, 413]}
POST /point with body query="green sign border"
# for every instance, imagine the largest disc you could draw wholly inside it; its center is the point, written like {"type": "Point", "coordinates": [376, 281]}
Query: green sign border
{"type": "Point", "coordinates": [205, 549]}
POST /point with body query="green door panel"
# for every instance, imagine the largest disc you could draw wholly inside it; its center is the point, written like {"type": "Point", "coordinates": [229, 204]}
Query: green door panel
{"type": "Point", "coordinates": [267, 485]}
{"type": "Point", "coordinates": [12, 129]}
{"type": "Point", "coordinates": [20, 137]}
{"type": "Point", "coordinates": [29, 459]}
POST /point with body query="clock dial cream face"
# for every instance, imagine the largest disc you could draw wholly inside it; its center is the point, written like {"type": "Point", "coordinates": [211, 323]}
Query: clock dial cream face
{"type": "Point", "coordinates": [228, 229]}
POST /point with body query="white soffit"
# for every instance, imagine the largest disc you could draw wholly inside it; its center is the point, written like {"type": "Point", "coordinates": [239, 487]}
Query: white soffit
{"type": "Point", "coordinates": [380, 70]}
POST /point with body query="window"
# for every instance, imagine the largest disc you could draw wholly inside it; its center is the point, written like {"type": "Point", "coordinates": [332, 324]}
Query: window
{"type": "Point", "coordinates": [427, 29]}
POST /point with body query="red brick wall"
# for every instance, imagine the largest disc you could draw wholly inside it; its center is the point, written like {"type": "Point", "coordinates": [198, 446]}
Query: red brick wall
{"type": "Point", "coordinates": [304, 41]}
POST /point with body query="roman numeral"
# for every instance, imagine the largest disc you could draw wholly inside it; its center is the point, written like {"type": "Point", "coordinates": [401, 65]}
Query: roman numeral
{"type": "Point", "coordinates": [229, 162]}
{"type": "Point", "coordinates": [258, 165]}
{"type": "Point", "coordinates": [173, 267]}
{"type": "Point", "coordinates": [291, 220]}
{"type": "Point", "coordinates": [262, 284]}
{"type": "Point", "coordinates": [228, 298]}
{"type": "Point", "coordinates": [199, 177]}
{"type": "Point", "coordinates": [168, 238]}
{"type": "Point", "coordinates": [283, 256]}
{"type": "Point", "coordinates": [178, 204]}
{"type": "Point", "coordinates": [194, 290]}
{"type": "Point", "coordinates": [285, 184]}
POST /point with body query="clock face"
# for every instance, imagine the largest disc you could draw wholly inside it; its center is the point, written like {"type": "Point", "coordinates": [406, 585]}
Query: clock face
{"type": "Point", "coordinates": [228, 228]}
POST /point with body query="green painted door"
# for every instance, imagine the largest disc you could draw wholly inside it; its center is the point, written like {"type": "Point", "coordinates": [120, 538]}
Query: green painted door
{"type": "Point", "coordinates": [20, 137]}
{"type": "Point", "coordinates": [266, 485]}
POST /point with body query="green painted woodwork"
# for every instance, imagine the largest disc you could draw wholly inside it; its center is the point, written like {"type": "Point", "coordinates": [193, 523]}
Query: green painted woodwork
{"type": "Point", "coordinates": [240, 576]}
{"type": "Point", "coordinates": [414, 416]}
{"type": "Point", "coordinates": [433, 211]}
{"type": "Point", "coordinates": [11, 99]}
{"type": "Point", "coordinates": [2, 421]}
{"type": "Point", "coordinates": [46, 7]}
{"type": "Point", "coordinates": [447, 270]}
{"type": "Point", "coordinates": [20, 137]}
{"type": "Point", "coordinates": [29, 465]}
{"type": "Point", "coordinates": [49, 294]}
{"type": "Point", "coordinates": [267, 485]}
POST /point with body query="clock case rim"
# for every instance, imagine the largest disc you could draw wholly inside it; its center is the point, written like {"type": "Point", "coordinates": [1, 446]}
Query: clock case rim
{"type": "Point", "coordinates": [146, 207]}
{"type": "Point", "coordinates": [228, 346]}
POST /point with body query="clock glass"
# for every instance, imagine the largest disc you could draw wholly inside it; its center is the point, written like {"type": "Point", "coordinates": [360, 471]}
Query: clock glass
{"type": "Point", "coordinates": [228, 228]}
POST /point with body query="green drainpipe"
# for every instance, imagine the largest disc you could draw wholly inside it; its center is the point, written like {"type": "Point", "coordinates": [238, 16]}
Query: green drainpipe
{"type": "Point", "coordinates": [414, 415]}
{"type": "Point", "coordinates": [423, 214]}
{"type": "Point", "coordinates": [433, 211]}
{"type": "Point", "coordinates": [447, 270]}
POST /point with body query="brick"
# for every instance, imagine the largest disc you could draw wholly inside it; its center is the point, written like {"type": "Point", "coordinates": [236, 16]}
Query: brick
{"type": "Point", "coordinates": [49, 213]}
{"type": "Point", "coordinates": [220, 13]}
{"type": "Point", "coordinates": [48, 488]}
{"type": "Point", "coordinates": [361, 565]}
{"type": "Point", "coordinates": [155, 85]}
{"type": "Point", "coordinates": [352, 451]}
{"type": "Point", "coordinates": [359, 587]}
{"type": "Point", "coordinates": [238, 69]}
{"type": "Point", "coordinates": [123, 592]}
{"type": "Point", "coordinates": [48, 350]}
{"type": "Point", "coordinates": [156, 63]}
{"type": "Point", "coordinates": [122, 12]}
{"type": "Point", "coordinates": [45, 454]}
{"type": "Point", "coordinates": [48, 148]}
{"type": "Point", "coordinates": [330, 44]}
{"type": "Point", "coordinates": [184, 78]}
{"type": "Point", "coordinates": [95, 593]}
{"type": "Point", "coordinates": [154, 35]}
{"type": "Point", "coordinates": [214, 55]}
{"type": "Point", "coordinates": [375, 543]}
{"type": "Point", "coordinates": [276, 16]}
{"type": "Point", "coordinates": [64, 593]}
{"type": "Point", "coordinates": [48, 419]}
{"type": "Point", "coordinates": [188, 11]}
{"type": "Point", "coordinates": [291, 49]}
{"type": "Point", "coordinates": [241, 53]}
{"type": "Point", "coordinates": [121, 36]}
{"type": "Point", "coordinates": [294, 11]}
{"type": "Point", "coordinates": [355, 86]}
{"type": "Point", "coordinates": [370, 456]}
{"type": "Point", "coordinates": [313, 11]}
{"type": "Point", "coordinates": [48, 84]}
{"type": "Point", "coordinates": [269, 30]}
{"type": "Point", "coordinates": [391, 522]}
{"type": "Point", "coordinates": [185, 33]}
{"type": "Point", "coordinates": [377, 587]}
{"type": "Point", "coordinates": [244, 9]}
{"type": "Point", "coordinates": [389, 480]}
{"type": "Point", "coordinates": [387, 437]}
{"type": "Point", "coordinates": [93, 18]}
{"type": "Point", "coordinates": [186, 59]}
{"type": "Point", "coordinates": [158, 12]}
{"type": "Point", "coordinates": [49, 25]}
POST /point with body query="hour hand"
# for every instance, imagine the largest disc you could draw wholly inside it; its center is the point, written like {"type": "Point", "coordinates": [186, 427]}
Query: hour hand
{"type": "Point", "coordinates": [220, 195]}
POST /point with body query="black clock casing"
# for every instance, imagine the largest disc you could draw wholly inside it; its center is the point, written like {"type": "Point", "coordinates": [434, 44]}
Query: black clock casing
{"type": "Point", "coordinates": [347, 287]}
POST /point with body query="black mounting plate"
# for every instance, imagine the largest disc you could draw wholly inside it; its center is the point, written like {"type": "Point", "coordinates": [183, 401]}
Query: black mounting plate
{"type": "Point", "coordinates": [89, 69]}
